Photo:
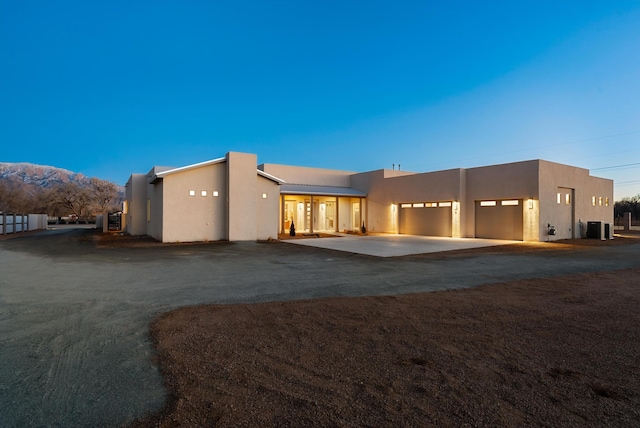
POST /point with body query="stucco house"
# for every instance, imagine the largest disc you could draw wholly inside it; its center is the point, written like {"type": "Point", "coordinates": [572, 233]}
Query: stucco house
{"type": "Point", "coordinates": [233, 198]}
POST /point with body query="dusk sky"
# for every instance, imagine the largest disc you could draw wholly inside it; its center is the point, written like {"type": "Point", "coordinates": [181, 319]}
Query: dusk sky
{"type": "Point", "coordinates": [111, 88]}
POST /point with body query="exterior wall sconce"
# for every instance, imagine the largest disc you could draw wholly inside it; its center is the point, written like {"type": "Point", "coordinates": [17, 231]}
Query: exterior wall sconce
{"type": "Point", "coordinates": [456, 206]}
{"type": "Point", "coordinates": [393, 207]}
{"type": "Point", "coordinates": [530, 202]}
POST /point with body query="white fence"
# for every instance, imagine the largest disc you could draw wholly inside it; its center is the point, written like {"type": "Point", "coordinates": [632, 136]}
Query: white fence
{"type": "Point", "coordinates": [16, 223]}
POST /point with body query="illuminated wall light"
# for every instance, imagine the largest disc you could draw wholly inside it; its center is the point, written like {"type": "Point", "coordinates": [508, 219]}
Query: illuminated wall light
{"type": "Point", "coordinates": [264, 196]}
{"type": "Point", "coordinates": [203, 193]}
{"type": "Point", "coordinates": [192, 192]}
{"type": "Point", "coordinates": [530, 203]}
{"type": "Point", "coordinates": [215, 193]}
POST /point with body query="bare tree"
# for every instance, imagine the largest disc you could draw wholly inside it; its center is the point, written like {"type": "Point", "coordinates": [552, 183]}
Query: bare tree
{"type": "Point", "coordinates": [104, 194]}
{"type": "Point", "coordinates": [74, 198]}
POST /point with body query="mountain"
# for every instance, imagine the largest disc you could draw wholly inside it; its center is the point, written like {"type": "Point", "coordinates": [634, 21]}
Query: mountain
{"type": "Point", "coordinates": [38, 176]}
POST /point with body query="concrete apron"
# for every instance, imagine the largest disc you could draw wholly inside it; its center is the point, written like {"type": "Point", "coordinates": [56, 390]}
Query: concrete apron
{"type": "Point", "coordinates": [391, 245]}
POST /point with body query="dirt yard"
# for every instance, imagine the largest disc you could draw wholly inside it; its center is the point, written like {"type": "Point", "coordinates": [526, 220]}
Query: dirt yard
{"type": "Point", "coordinates": [561, 351]}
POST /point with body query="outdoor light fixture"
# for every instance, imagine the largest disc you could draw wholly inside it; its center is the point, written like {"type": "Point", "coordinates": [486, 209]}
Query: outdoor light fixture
{"type": "Point", "coordinates": [530, 202]}
{"type": "Point", "coordinates": [264, 196]}
{"type": "Point", "coordinates": [215, 193]}
{"type": "Point", "coordinates": [393, 207]}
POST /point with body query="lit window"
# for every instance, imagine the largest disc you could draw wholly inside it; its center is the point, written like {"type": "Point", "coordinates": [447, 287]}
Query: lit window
{"type": "Point", "coordinates": [192, 192]}
{"type": "Point", "coordinates": [264, 196]}
{"type": "Point", "coordinates": [444, 204]}
{"type": "Point", "coordinates": [215, 193]}
{"type": "Point", "coordinates": [606, 202]}
{"type": "Point", "coordinates": [567, 199]}
{"type": "Point", "coordinates": [600, 201]}
{"type": "Point", "coordinates": [203, 193]}
{"type": "Point", "coordinates": [559, 198]}
{"type": "Point", "coordinates": [509, 203]}
{"type": "Point", "coordinates": [405, 205]}
{"type": "Point", "coordinates": [431, 204]}
{"type": "Point", "coordinates": [593, 201]}
{"type": "Point", "coordinates": [487, 203]}
{"type": "Point", "coordinates": [418, 205]}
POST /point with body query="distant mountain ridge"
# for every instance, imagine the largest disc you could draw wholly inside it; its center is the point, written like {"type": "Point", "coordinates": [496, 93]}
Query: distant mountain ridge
{"type": "Point", "coordinates": [39, 175]}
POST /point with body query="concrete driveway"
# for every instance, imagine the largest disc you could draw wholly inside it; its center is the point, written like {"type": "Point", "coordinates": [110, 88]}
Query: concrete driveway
{"type": "Point", "coordinates": [390, 245]}
{"type": "Point", "coordinates": [74, 318]}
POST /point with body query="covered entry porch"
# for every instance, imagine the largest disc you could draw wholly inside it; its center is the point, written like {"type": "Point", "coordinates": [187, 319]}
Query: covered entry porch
{"type": "Point", "coordinates": [321, 209]}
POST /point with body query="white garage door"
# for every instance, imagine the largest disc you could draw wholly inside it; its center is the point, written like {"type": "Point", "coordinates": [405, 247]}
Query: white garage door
{"type": "Point", "coordinates": [426, 219]}
{"type": "Point", "coordinates": [499, 219]}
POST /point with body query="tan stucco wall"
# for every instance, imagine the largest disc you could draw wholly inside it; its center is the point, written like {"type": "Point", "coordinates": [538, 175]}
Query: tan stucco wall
{"type": "Point", "coordinates": [242, 189]}
{"type": "Point", "coordinates": [305, 175]}
{"type": "Point", "coordinates": [517, 180]}
{"type": "Point", "coordinates": [155, 197]}
{"type": "Point", "coordinates": [136, 197]}
{"type": "Point", "coordinates": [555, 178]}
{"type": "Point", "coordinates": [401, 187]}
{"type": "Point", "coordinates": [195, 218]}
{"type": "Point", "coordinates": [267, 208]}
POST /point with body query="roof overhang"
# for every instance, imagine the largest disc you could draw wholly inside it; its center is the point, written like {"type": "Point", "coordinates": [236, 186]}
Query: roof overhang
{"type": "Point", "coordinates": [307, 189]}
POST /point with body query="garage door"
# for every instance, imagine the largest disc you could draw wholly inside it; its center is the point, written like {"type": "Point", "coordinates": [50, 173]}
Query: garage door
{"type": "Point", "coordinates": [430, 219]}
{"type": "Point", "coordinates": [499, 219]}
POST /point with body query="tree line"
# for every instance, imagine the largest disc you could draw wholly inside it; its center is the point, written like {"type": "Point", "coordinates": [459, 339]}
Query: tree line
{"type": "Point", "coordinates": [628, 204]}
{"type": "Point", "coordinates": [83, 201]}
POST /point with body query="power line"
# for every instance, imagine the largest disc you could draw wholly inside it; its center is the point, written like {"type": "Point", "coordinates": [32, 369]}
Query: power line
{"type": "Point", "coordinates": [629, 165]}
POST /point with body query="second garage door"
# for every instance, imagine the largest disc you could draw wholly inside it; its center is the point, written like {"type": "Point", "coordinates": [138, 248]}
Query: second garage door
{"type": "Point", "coordinates": [499, 219]}
{"type": "Point", "coordinates": [430, 219]}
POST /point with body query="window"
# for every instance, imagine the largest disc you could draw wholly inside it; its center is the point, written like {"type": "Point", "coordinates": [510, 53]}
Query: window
{"type": "Point", "coordinates": [567, 199]}
{"type": "Point", "coordinates": [203, 193]}
{"type": "Point", "coordinates": [593, 201]}
{"type": "Point", "coordinates": [559, 198]}
{"type": "Point", "coordinates": [418, 205]}
{"type": "Point", "coordinates": [215, 193]}
{"type": "Point", "coordinates": [509, 203]}
{"type": "Point", "coordinates": [264, 196]}
{"type": "Point", "coordinates": [444, 204]}
{"type": "Point", "coordinates": [405, 205]}
{"type": "Point", "coordinates": [600, 201]}
{"type": "Point", "coordinates": [487, 203]}
{"type": "Point", "coordinates": [125, 207]}
{"type": "Point", "coordinates": [606, 202]}
{"type": "Point", "coordinates": [192, 192]}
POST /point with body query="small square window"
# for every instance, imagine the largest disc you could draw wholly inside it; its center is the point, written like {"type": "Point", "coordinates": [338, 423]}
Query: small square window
{"type": "Point", "coordinates": [203, 193]}
{"type": "Point", "coordinates": [192, 192]}
{"type": "Point", "coordinates": [215, 193]}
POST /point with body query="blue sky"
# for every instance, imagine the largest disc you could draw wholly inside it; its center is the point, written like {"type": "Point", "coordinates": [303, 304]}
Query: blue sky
{"type": "Point", "coordinates": [111, 88]}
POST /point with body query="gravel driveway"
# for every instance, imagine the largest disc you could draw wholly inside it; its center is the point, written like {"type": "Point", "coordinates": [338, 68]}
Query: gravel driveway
{"type": "Point", "coordinates": [74, 316]}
